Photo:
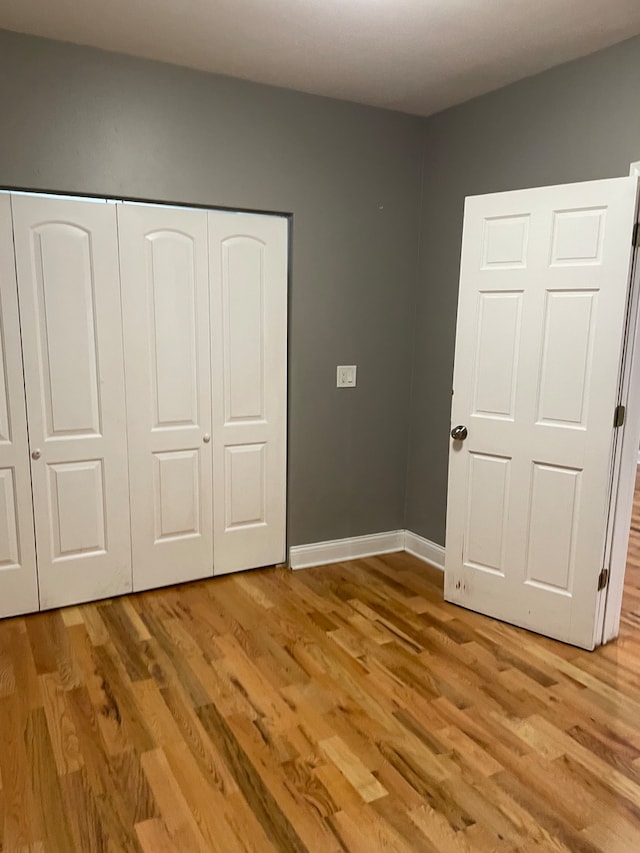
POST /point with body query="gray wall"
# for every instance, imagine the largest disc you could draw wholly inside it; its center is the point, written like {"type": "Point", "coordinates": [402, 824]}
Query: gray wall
{"type": "Point", "coordinates": [577, 122]}
{"type": "Point", "coordinates": [77, 120]}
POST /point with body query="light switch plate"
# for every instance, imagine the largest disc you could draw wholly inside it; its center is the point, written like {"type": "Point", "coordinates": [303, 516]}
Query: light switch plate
{"type": "Point", "coordinates": [346, 376]}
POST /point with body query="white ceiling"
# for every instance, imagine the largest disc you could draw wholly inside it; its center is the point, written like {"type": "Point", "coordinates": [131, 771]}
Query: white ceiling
{"type": "Point", "coordinates": [418, 56]}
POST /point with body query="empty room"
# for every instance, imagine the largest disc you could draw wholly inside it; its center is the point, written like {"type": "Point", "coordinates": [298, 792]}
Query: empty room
{"type": "Point", "coordinates": [319, 426]}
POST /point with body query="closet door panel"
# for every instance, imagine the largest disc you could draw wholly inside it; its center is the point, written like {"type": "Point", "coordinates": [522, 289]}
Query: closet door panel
{"type": "Point", "coordinates": [163, 258]}
{"type": "Point", "coordinates": [248, 262]}
{"type": "Point", "coordinates": [69, 288]}
{"type": "Point", "coordinates": [18, 579]}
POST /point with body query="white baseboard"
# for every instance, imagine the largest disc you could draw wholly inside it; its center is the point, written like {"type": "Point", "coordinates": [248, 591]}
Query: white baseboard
{"type": "Point", "coordinates": [338, 550]}
{"type": "Point", "coordinates": [425, 549]}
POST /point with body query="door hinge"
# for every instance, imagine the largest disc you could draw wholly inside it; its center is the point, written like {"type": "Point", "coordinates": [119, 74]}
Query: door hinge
{"type": "Point", "coordinates": [603, 579]}
{"type": "Point", "coordinates": [618, 416]}
{"type": "Point", "coordinates": [636, 235]}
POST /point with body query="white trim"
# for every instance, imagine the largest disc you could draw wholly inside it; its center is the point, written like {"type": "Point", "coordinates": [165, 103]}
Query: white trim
{"type": "Point", "coordinates": [424, 549]}
{"type": "Point", "coordinates": [634, 169]}
{"type": "Point", "coordinates": [626, 462]}
{"type": "Point", "coordinates": [337, 550]}
{"type": "Point", "coordinates": [355, 547]}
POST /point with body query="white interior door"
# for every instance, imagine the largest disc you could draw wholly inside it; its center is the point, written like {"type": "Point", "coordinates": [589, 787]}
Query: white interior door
{"type": "Point", "coordinates": [165, 301]}
{"type": "Point", "coordinates": [543, 295]}
{"type": "Point", "coordinates": [18, 578]}
{"type": "Point", "coordinates": [248, 262]}
{"type": "Point", "coordinates": [69, 293]}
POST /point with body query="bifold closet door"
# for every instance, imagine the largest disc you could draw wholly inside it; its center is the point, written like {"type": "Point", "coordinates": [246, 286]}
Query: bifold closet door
{"type": "Point", "coordinates": [165, 292]}
{"type": "Point", "coordinates": [18, 579]}
{"type": "Point", "coordinates": [248, 264]}
{"type": "Point", "coordinates": [69, 294]}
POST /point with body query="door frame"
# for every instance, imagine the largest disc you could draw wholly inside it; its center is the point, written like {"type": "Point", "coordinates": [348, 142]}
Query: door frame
{"type": "Point", "coordinates": [625, 462]}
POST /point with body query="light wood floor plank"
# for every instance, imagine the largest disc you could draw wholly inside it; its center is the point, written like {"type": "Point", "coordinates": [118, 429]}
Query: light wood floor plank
{"type": "Point", "coordinates": [346, 707]}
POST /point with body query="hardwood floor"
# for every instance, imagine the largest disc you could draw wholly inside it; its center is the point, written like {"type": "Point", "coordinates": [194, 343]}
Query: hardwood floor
{"type": "Point", "coordinates": [344, 707]}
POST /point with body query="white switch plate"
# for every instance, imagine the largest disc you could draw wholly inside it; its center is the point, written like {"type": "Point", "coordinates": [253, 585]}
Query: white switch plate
{"type": "Point", "coordinates": [346, 376]}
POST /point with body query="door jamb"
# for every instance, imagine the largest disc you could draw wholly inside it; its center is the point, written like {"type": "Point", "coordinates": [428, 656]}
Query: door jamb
{"type": "Point", "coordinates": [625, 465]}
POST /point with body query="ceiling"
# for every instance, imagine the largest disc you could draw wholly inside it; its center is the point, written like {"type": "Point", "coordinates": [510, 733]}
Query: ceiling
{"type": "Point", "coordinates": [418, 56]}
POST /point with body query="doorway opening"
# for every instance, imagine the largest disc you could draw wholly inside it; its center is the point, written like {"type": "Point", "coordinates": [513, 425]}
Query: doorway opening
{"type": "Point", "coordinates": [630, 611]}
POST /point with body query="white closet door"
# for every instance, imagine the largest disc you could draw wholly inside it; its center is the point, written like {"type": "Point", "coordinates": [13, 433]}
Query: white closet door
{"type": "Point", "coordinates": [69, 290]}
{"type": "Point", "coordinates": [165, 298]}
{"type": "Point", "coordinates": [248, 262]}
{"type": "Point", "coordinates": [18, 579]}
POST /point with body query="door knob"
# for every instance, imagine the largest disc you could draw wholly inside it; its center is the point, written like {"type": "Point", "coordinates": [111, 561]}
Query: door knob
{"type": "Point", "coordinates": [206, 438]}
{"type": "Point", "coordinates": [459, 433]}
{"type": "Point", "coordinates": [36, 454]}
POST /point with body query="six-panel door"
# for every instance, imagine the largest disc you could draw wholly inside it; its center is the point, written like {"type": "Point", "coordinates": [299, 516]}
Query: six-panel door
{"type": "Point", "coordinates": [543, 294]}
{"type": "Point", "coordinates": [18, 579]}
{"type": "Point", "coordinates": [69, 287]}
{"type": "Point", "coordinates": [165, 303]}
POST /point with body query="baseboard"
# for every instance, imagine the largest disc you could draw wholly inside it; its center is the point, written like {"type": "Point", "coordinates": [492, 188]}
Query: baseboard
{"type": "Point", "coordinates": [337, 550]}
{"type": "Point", "coordinates": [424, 549]}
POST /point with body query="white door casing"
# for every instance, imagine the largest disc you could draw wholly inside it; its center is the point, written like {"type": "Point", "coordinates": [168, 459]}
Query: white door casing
{"type": "Point", "coordinates": [544, 284]}
{"type": "Point", "coordinates": [18, 578]}
{"type": "Point", "coordinates": [248, 273]}
{"type": "Point", "coordinates": [627, 458]}
{"type": "Point", "coordinates": [165, 302]}
{"type": "Point", "coordinates": [69, 294]}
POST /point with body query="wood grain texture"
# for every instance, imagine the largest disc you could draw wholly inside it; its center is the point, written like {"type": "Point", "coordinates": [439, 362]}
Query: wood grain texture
{"type": "Point", "coordinates": [341, 708]}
